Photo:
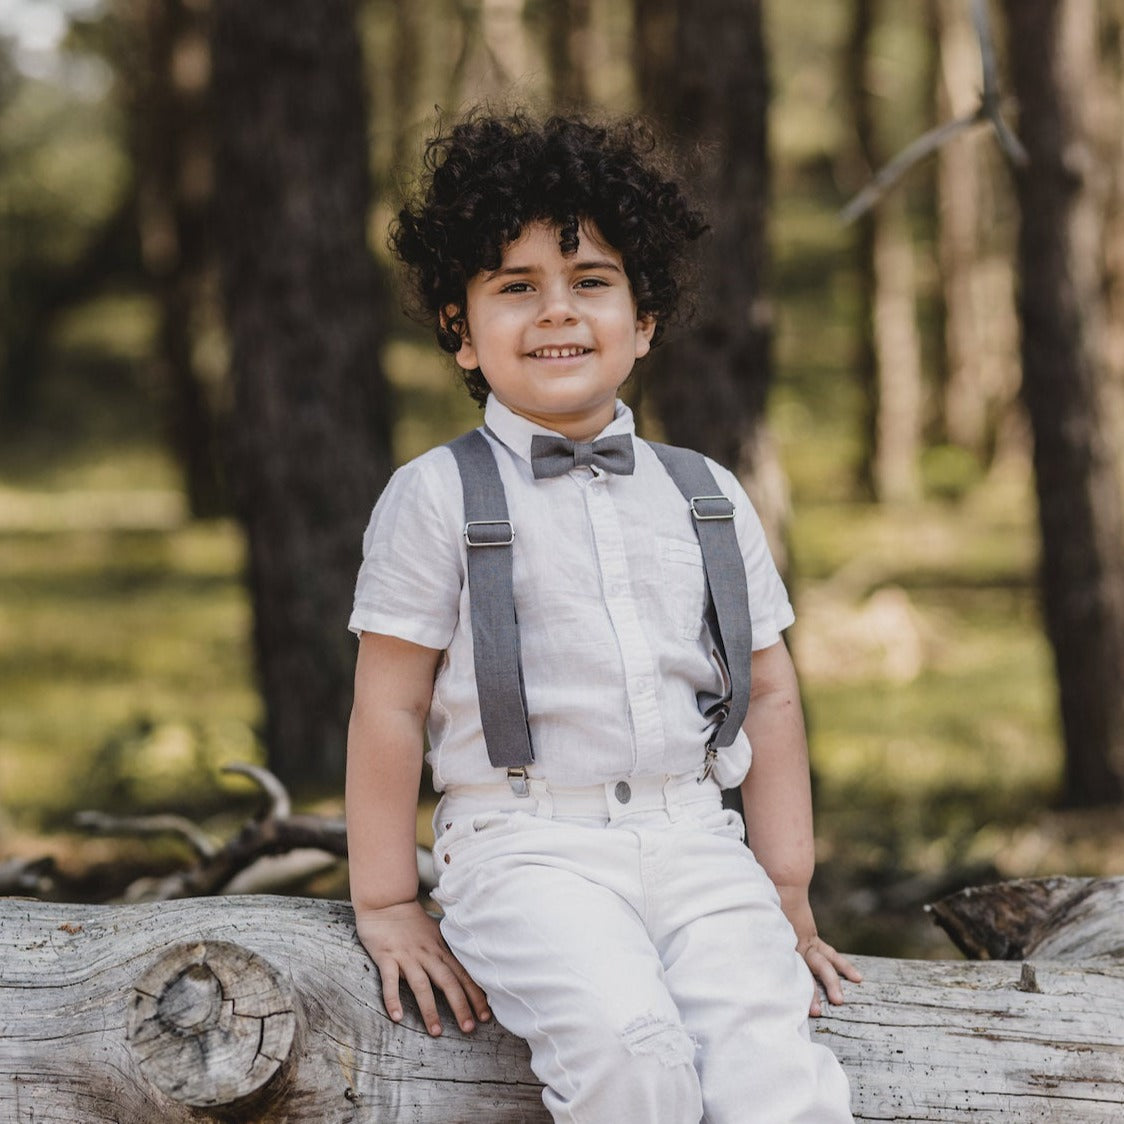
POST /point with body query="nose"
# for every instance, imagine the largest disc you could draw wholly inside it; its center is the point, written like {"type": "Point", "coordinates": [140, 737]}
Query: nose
{"type": "Point", "coordinates": [557, 305]}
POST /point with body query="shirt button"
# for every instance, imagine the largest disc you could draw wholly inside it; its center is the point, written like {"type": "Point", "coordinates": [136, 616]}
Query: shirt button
{"type": "Point", "coordinates": [447, 859]}
{"type": "Point", "coordinates": [622, 792]}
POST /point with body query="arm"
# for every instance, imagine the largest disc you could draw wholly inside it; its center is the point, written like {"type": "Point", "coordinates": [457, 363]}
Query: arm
{"type": "Point", "coordinates": [777, 798]}
{"type": "Point", "coordinates": [393, 687]}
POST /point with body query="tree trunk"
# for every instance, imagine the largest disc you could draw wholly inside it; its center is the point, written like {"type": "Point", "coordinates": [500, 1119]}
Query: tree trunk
{"type": "Point", "coordinates": [267, 1009]}
{"type": "Point", "coordinates": [889, 350]}
{"type": "Point", "coordinates": [311, 438]}
{"type": "Point", "coordinates": [170, 111]}
{"type": "Point", "coordinates": [965, 410]}
{"type": "Point", "coordinates": [899, 397]}
{"type": "Point", "coordinates": [570, 53]}
{"type": "Point", "coordinates": [980, 330]}
{"type": "Point", "coordinates": [703, 68]}
{"type": "Point", "coordinates": [1053, 55]}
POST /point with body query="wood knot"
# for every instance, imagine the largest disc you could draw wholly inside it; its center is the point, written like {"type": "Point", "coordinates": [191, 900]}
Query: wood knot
{"type": "Point", "coordinates": [211, 1024]}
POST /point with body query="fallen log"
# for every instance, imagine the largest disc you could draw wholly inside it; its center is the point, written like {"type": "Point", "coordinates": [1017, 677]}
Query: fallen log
{"type": "Point", "coordinates": [1047, 918]}
{"type": "Point", "coordinates": [267, 1009]}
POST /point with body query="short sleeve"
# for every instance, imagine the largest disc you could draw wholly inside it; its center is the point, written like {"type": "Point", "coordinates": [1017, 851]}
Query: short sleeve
{"type": "Point", "coordinates": [770, 609]}
{"type": "Point", "coordinates": [410, 581]}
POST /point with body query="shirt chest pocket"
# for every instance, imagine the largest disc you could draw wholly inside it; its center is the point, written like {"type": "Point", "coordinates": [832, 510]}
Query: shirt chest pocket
{"type": "Point", "coordinates": [683, 585]}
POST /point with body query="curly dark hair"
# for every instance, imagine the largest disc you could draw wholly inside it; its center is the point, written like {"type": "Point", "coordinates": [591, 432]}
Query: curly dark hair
{"type": "Point", "coordinates": [490, 176]}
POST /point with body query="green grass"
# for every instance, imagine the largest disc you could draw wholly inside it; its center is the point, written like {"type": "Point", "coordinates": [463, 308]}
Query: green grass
{"type": "Point", "coordinates": [108, 635]}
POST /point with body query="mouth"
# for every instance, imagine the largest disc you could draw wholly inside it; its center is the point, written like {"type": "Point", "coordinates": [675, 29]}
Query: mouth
{"type": "Point", "coordinates": [568, 351]}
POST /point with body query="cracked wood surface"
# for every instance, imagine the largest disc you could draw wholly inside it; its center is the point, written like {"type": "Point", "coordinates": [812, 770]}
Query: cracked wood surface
{"type": "Point", "coordinates": [267, 1009]}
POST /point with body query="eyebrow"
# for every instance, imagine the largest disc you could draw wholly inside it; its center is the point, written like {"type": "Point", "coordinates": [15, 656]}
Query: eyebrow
{"type": "Point", "coordinates": [579, 267]}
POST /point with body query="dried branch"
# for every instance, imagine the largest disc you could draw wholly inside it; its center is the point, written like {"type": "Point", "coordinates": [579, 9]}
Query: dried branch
{"type": "Point", "coordinates": [280, 806]}
{"type": "Point", "coordinates": [991, 103]}
{"type": "Point", "coordinates": [276, 830]}
{"type": "Point", "coordinates": [988, 112]}
{"type": "Point", "coordinates": [33, 877]}
{"type": "Point", "coordinates": [182, 828]}
{"type": "Point", "coordinates": [912, 154]}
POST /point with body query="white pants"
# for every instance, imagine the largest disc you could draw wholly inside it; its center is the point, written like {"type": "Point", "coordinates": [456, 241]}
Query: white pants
{"type": "Point", "coordinates": [628, 934]}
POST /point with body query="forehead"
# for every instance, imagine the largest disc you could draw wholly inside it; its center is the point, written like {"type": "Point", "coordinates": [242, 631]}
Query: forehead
{"type": "Point", "coordinates": [541, 240]}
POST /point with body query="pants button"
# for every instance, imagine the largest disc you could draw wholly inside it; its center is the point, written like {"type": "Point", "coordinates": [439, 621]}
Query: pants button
{"type": "Point", "coordinates": [622, 792]}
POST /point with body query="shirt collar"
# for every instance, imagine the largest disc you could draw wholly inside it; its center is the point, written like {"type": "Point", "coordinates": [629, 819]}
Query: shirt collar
{"type": "Point", "coordinates": [515, 431]}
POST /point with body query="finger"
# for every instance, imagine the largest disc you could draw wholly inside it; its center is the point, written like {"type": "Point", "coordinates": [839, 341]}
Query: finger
{"type": "Point", "coordinates": [822, 968]}
{"type": "Point", "coordinates": [474, 992]}
{"type": "Point", "coordinates": [448, 980]}
{"type": "Point", "coordinates": [479, 1001]}
{"type": "Point", "coordinates": [841, 965]}
{"type": "Point", "coordinates": [419, 983]}
{"type": "Point", "coordinates": [391, 1001]}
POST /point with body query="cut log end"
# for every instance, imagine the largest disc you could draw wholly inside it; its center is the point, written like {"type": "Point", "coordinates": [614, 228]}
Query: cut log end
{"type": "Point", "coordinates": [212, 1025]}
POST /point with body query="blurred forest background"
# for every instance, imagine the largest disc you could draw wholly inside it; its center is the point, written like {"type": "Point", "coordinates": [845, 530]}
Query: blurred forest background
{"type": "Point", "coordinates": [205, 378]}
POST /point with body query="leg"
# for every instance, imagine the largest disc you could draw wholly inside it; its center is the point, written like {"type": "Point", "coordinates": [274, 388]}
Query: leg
{"type": "Point", "coordinates": [545, 920]}
{"type": "Point", "coordinates": [743, 992]}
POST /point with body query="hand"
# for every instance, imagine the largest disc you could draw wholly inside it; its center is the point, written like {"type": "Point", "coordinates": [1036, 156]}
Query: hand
{"type": "Point", "coordinates": [404, 941]}
{"type": "Point", "coordinates": [825, 963]}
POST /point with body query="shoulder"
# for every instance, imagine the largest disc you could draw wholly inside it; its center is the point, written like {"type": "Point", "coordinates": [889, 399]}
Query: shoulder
{"type": "Point", "coordinates": [432, 476]}
{"type": "Point", "coordinates": [727, 482]}
{"type": "Point", "coordinates": [420, 500]}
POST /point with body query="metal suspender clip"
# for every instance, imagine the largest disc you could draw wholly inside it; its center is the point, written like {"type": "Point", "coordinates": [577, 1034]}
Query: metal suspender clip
{"type": "Point", "coordinates": [517, 778]}
{"type": "Point", "coordinates": [705, 508]}
{"type": "Point", "coordinates": [475, 535]}
{"type": "Point", "coordinates": [708, 763]}
{"type": "Point", "coordinates": [711, 754]}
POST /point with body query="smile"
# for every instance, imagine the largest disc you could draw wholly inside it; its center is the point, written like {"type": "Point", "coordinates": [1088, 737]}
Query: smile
{"type": "Point", "coordinates": [568, 352]}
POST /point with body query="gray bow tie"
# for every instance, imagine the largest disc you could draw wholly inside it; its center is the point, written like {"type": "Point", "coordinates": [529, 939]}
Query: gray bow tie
{"type": "Point", "coordinates": [553, 456]}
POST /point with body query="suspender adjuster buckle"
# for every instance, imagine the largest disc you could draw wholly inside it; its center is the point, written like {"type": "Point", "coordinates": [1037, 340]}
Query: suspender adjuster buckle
{"type": "Point", "coordinates": [706, 508]}
{"type": "Point", "coordinates": [489, 532]}
{"type": "Point", "coordinates": [517, 778]}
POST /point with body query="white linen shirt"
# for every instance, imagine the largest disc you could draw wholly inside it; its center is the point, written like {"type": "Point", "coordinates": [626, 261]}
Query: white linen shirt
{"type": "Point", "coordinates": [609, 595]}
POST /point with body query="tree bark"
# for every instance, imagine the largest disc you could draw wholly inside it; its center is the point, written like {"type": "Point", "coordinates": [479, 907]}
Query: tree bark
{"type": "Point", "coordinates": [980, 377]}
{"type": "Point", "coordinates": [570, 53]}
{"type": "Point", "coordinates": [267, 1009]}
{"type": "Point", "coordinates": [1053, 54]}
{"type": "Point", "coordinates": [170, 111]}
{"type": "Point", "coordinates": [311, 439]}
{"type": "Point", "coordinates": [889, 348]}
{"type": "Point", "coordinates": [965, 407]}
{"type": "Point", "coordinates": [703, 69]}
{"type": "Point", "coordinates": [1047, 918]}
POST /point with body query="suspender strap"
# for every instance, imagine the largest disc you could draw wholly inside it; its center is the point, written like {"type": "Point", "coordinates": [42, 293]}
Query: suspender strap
{"type": "Point", "coordinates": [713, 514]}
{"type": "Point", "coordinates": [495, 634]}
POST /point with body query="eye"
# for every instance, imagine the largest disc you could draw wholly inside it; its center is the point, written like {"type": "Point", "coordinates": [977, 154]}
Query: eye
{"type": "Point", "coordinates": [516, 287]}
{"type": "Point", "coordinates": [592, 283]}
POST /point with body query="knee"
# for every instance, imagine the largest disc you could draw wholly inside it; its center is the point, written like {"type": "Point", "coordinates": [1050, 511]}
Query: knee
{"type": "Point", "coordinates": [663, 1040]}
{"type": "Point", "coordinates": [643, 1071]}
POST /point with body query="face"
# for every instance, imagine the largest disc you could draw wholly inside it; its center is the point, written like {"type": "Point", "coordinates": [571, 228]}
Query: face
{"type": "Point", "coordinates": [555, 336]}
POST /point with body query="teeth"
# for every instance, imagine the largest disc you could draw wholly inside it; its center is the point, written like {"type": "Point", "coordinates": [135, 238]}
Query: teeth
{"type": "Point", "coordinates": [558, 352]}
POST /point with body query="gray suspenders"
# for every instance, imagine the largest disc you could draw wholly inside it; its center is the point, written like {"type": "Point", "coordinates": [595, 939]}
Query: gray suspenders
{"type": "Point", "coordinates": [489, 536]}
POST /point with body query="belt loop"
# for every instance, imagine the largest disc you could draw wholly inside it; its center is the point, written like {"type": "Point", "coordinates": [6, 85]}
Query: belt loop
{"type": "Point", "coordinates": [671, 796]}
{"type": "Point", "coordinates": [539, 790]}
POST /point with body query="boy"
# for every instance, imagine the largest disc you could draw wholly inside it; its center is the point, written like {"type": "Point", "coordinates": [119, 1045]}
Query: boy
{"type": "Point", "coordinates": [595, 893]}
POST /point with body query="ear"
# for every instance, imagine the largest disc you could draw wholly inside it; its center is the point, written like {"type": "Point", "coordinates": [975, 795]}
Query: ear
{"type": "Point", "coordinates": [466, 355]}
{"type": "Point", "coordinates": [645, 328]}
